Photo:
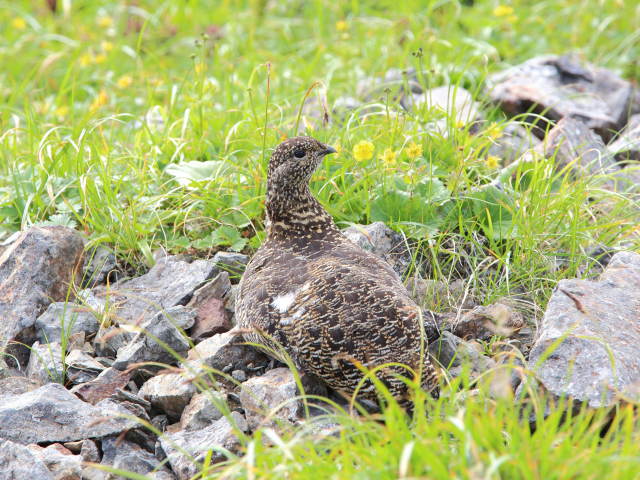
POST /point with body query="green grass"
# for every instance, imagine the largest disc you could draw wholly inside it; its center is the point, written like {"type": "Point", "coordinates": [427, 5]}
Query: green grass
{"type": "Point", "coordinates": [104, 105]}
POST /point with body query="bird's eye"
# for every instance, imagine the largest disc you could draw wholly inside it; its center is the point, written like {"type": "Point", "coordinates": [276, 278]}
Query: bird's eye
{"type": "Point", "coordinates": [299, 152]}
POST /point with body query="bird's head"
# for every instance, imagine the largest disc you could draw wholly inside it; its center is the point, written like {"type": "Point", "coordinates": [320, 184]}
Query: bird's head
{"type": "Point", "coordinates": [294, 160]}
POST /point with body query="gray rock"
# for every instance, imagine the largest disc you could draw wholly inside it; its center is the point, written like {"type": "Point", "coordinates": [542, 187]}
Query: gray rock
{"type": "Point", "coordinates": [170, 282]}
{"type": "Point", "coordinates": [45, 363]}
{"type": "Point", "coordinates": [101, 265]}
{"type": "Point", "coordinates": [18, 462]}
{"type": "Point", "coordinates": [595, 325]}
{"type": "Point", "coordinates": [60, 461]}
{"type": "Point", "coordinates": [129, 457]}
{"type": "Point", "coordinates": [67, 318]}
{"type": "Point", "coordinates": [53, 414]}
{"type": "Point", "coordinates": [627, 145]}
{"type": "Point", "coordinates": [383, 242]}
{"type": "Point", "coordinates": [170, 393]}
{"type": "Point", "coordinates": [35, 270]}
{"type": "Point", "coordinates": [560, 86]}
{"type": "Point", "coordinates": [270, 398]}
{"type": "Point", "coordinates": [239, 375]}
{"type": "Point", "coordinates": [16, 385]}
{"type": "Point", "coordinates": [231, 262]}
{"type": "Point", "coordinates": [455, 355]}
{"type": "Point", "coordinates": [112, 338]}
{"type": "Point", "coordinates": [203, 409]}
{"type": "Point", "coordinates": [209, 305]}
{"type": "Point", "coordinates": [438, 295]}
{"type": "Point", "coordinates": [572, 143]}
{"type": "Point", "coordinates": [224, 351]}
{"type": "Point", "coordinates": [160, 339]}
{"type": "Point", "coordinates": [221, 434]}
{"type": "Point", "coordinates": [454, 103]}
{"type": "Point", "coordinates": [82, 367]}
{"type": "Point", "coordinates": [513, 143]}
{"type": "Point", "coordinates": [89, 451]}
{"type": "Point", "coordinates": [103, 386]}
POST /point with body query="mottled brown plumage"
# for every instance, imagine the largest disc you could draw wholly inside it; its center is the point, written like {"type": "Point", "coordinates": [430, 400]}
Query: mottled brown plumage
{"type": "Point", "coordinates": [322, 298]}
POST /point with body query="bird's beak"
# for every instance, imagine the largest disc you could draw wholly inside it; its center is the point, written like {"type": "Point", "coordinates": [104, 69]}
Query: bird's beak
{"type": "Point", "coordinates": [327, 150]}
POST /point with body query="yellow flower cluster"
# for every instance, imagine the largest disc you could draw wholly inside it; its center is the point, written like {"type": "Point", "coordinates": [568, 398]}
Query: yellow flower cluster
{"type": "Point", "coordinates": [492, 162]}
{"type": "Point", "coordinates": [414, 150]}
{"type": "Point", "coordinates": [388, 156]}
{"type": "Point", "coordinates": [363, 150]}
{"type": "Point", "coordinates": [19, 23]}
{"type": "Point", "coordinates": [124, 81]}
{"type": "Point", "coordinates": [100, 101]}
{"type": "Point", "coordinates": [506, 12]}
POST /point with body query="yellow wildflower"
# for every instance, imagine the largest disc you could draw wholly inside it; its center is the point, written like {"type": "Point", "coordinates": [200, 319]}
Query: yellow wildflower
{"type": "Point", "coordinates": [388, 156]}
{"type": "Point", "coordinates": [106, 46]}
{"type": "Point", "coordinates": [85, 59]}
{"type": "Point", "coordinates": [492, 162]}
{"type": "Point", "coordinates": [414, 150]}
{"type": "Point", "coordinates": [105, 21]}
{"type": "Point", "coordinates": [100, 101]}
{"type": "Point", "coordinates": [200, 67]}
{"type": "Point", "coordinates": [61, 111]}
{"type": "Point", "coordinates": [124, 81]}
{"type": "Point", "coordinates": [494, 131]}
{"type": "Point", "coordinates": [363, 150]}
{"type": "Point", "coordinates": [99, 58]}
{"type": "Point", "coordinates": [342, 26]}
{"type": "Point", "coordinates": [19, 23]}
{"type": "Point", "coordinates": [503, 11]}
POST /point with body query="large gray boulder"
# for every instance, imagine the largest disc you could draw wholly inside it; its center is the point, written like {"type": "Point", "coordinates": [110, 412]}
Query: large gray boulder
{"type": "Point", "coordinates": [589, 343]}
{"type": "Point", "coordinates": [53, 414]}
{"type": "Point", "coordinates": [562, 86]}
{"type": "Point", "coordinates": [18, 462]}
{"type": "Point", "coordinates": [35, 270]}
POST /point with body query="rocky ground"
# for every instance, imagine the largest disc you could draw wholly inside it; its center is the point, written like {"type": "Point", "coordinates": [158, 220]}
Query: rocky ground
{"type": "Point", "coordinates": [147, 374]}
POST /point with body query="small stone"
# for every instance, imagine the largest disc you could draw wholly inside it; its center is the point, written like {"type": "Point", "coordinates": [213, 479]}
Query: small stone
{"type": "Point", "coordinates": [231, 262]}
{"type": "Point", "coordinates": [627, 145]}
{"type": "Point", "coordinates": [383, 242]}
{"type": "Point", "coordinates": [82, 367]}
{"type": "Point", "coordinates": [160, 422]}
{"type": "Point", "coordinates": [203, 409]}
{"type": "Point", "coordinates": [484, 322]}
{"type": "Point", "coordinates": [170, 393]}
{"type": "Point", "coordinates": [127, 456]}
{"type": "Point", "coordinates": [45, 364]}
{"type": "Point", "coordinates": [18, 462]}
{"type": "Point", "coordinates": [35, 270]}
{"type": "Point", "coordinates": [89, 451]}
{"type": "Point", "coordinates": [562, 86]}
{"type": "Point", "coordinates": [103, 386]}
{"type": "Point", "coordinates": [456, 355]}
{"type": "Point", "coordinates": [197, 443]}
{"type": "Point", "coordinates": [160, 339]}
{"type": "Point", "coordinates": [239, 375]}
{"type": "Point", "coordinates": [65, 318]}
{"type": "Point", "coordinates": [53, 414]}
{"type": "Point", "coordinates": [588, 343]}
{"type": "Point", "coordinates": [61, 462]}
{"type": "Point", "coordinates": [209, 305]}
{"type": "Point", "coordinates": [101, 265]}
{"type": "Point", "coordinates": [219, 352]}
{"type": "Point", "coordinates": [259, 397]}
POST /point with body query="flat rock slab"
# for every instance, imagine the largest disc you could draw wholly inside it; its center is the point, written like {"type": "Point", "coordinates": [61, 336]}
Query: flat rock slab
{"type": "Point", "coordinates": [53, 414]}
{"type": "Point", "coordinates": [596, 326]}
{"type": "Point", "coordinates": [170, 282]}
{"type": "Point", "coordinates": [35, 270]}
{"type": "Point", "coordinates": [218, 436]}
{"type": "Point", "coordinates": [562, 86]}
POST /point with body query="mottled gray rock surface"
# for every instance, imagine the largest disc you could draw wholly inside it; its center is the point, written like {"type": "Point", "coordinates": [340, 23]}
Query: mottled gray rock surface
{"type": "Point", "coordinates": [18, 462]}
{"type": "Point", "coordinates": [101, 265]}
{"type": "Point", "coordinates": [383, 242]}
{"type": "Point", "coordinates": [202, 410]}
{"type": "Point", "coordinates": [455, 355]}
{"type": "Point", "coordinates": [219, 434]}
{"type": "Point", "coordinates": [209, 305]}
{"type": "Point", "coordinates": [53, 414]}
{"type": "Point", "coordinates": [159, 335]}
{"type": "Point", "coordinates": [260, 396]}
{"type": "Point", "coordinates": [67, 318]}
{"type": "Point", "coordinates": [61, 462]}
{"type": "Point", "coordinates": [35, 270]}
{"type": "Point", "coordinates": [170, 282]}
{"type": "Point", "coordinates": [561, 86]}
{"type": "Point", "coordinates": [513, 142]}
{"type": "Point", "coordinates": [103, 386]}
{"type": "Point", "coordinates": [45, 363]}
{"type": "Point", "coordinates": [170, 393]}
{"type": "Point", "coordinates": [597, 326]}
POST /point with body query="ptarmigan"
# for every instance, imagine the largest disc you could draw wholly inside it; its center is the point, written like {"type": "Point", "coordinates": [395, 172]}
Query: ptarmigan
{"type": "Point", "coordinates": [329, 304]}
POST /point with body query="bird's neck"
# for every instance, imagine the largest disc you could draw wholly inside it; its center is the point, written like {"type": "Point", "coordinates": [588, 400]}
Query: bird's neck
{"type": "Point", "coordinates": [294, 211]}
